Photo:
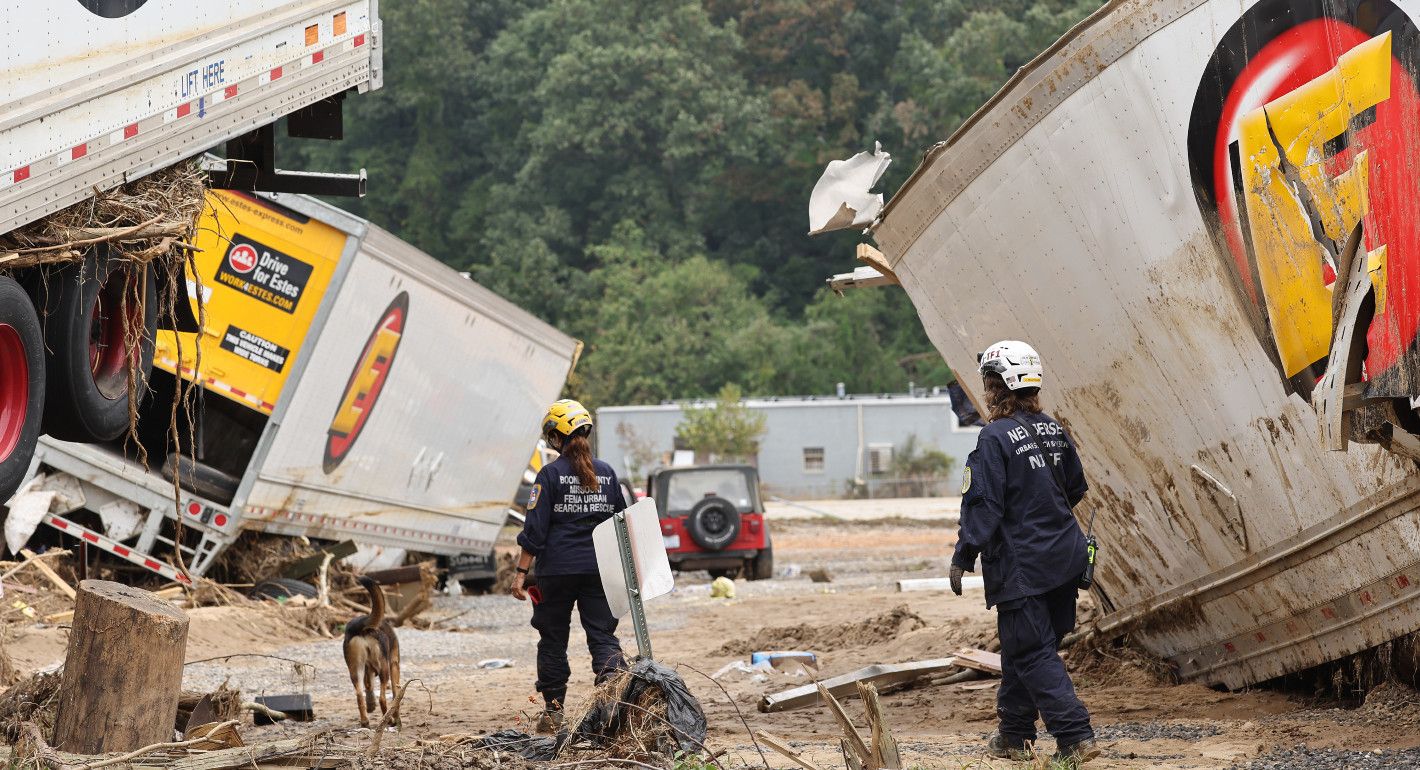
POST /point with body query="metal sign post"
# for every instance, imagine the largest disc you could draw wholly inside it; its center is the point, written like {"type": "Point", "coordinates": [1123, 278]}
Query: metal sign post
{"type": "Point", "coordinates": [633, 591]}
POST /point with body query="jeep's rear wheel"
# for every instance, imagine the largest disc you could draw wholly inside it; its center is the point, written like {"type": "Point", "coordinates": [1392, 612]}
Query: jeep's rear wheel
{"type": "Point", "coordinates": [726, 573]}
{"type": "Point", "coordinates": [761, 567]}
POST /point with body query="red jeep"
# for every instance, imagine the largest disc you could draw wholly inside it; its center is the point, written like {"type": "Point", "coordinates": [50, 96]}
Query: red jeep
{"type": "Point", "coordinates": [712, 519]}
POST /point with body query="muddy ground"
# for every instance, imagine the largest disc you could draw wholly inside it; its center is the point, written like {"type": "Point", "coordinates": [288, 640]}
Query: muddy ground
{"type": "Point", "coordinates": [855, 620]}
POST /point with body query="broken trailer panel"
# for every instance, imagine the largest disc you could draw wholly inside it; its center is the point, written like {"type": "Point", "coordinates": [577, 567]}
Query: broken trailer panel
{"type": "Point", "coordinates": [1202, 213]}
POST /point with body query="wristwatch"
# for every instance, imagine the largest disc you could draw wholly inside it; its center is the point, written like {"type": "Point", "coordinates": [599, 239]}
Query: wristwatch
{"type": "Point", "coordinates": [523, 570]}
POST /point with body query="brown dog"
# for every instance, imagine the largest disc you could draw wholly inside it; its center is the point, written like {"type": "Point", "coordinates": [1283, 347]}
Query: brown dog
{"type": "Point", "coordinates": [371, 650]}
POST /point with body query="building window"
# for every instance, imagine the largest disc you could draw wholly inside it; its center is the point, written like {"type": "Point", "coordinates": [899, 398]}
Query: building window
{"type": "Point", "coordinates": [879, 459]}
{"type": "Point", "coordinates": [813, 459]}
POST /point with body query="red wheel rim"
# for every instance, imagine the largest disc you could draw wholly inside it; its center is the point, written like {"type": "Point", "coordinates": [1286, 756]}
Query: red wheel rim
{"type": "Point", "coordinates": [108, 355]}
{"type": "Point", "coordinates": [14, 389]}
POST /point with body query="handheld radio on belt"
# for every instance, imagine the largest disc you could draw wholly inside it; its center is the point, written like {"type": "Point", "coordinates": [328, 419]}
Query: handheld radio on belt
{"type": "Point", "coordinates": [1092, 547]}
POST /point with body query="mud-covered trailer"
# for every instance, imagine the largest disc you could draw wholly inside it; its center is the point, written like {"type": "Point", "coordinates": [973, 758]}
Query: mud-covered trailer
{"type": "Point", "coordinates": [1203, 214]}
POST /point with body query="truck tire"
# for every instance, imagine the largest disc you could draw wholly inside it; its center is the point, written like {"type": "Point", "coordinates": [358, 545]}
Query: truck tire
{"type": "Point", "coordinates": [282, 588]}
{"type": "Point", "coordinates": [713, 523]}
{"type": "Point", "coordinates": [21, 385]}
{"type": "Point", "coordinates": [201, 479]}
{"type": "Point", "coordinates": [725, 573]}
{"type": "Point", "coordinates": [86, 325]}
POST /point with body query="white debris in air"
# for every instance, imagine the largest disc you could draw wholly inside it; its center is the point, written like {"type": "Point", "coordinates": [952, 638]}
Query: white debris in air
{"type": "Point", "coordinates": [841, 198]}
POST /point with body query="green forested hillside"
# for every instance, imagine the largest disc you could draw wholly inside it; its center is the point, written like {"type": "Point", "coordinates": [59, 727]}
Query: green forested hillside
{"type": "Point", "coordinates": [637, 173]}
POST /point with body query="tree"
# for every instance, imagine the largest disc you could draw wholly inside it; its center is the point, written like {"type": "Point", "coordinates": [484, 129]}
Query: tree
{"type": "Point", "coordinates": [918, 468]}
{"type": "Point", "coordinates": [727, 431]}
{"type": "Point", "coordinates": [636, 174]}
{"type": "Point", "coordinates": [640, 452]}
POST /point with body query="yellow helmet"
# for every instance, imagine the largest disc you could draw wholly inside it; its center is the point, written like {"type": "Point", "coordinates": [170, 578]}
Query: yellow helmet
{"type": "Point", "coordinates": [566, 416]}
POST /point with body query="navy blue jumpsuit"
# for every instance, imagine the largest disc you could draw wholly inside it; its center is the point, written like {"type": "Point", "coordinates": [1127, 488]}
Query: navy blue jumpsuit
{"type": "Point", "coordinates": [558, 531]}
{"type": "Point", "coordinates": [1018, 488]}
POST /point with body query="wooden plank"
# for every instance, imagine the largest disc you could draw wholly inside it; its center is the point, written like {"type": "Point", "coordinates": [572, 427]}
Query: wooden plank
{"type": "Point", "coordinates": [884, 747]}
{"type": "Point", "coordinates": [48, 572]}
{"type": "Point", "coordinates": [979, 660]}
{"type": "Point", "coordinates": [845, 685]}
{"type": "Point", "coordinates": [781, 746]}
{"type": "Point", "coordinates": [854, 739]}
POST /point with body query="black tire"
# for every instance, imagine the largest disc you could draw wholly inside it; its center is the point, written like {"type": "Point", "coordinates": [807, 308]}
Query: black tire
{"type": "Point", "coordinates": [729, 573]}
{"type": "Point", "coordinates": [215, 485]}
{"type": "Point", "coordinates": [22, 376]}
{"type": "Point", "coordinates": [713, 523]}
{"type": "Point", "coordinates": [86, 322]}
{"type": "Point", "coordinates": [282, 588]}
{"type": "Point", "coordinates": [761, 567]}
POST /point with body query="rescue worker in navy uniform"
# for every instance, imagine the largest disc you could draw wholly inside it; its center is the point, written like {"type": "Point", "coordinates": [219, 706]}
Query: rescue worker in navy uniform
{"type": "Point", "coordinates": [1018, 489]}
{"type": "Point", "coordinates": [569, 498]}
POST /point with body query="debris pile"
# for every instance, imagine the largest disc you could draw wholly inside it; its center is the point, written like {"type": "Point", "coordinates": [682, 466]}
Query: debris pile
{"type": "Point", "coordinates": [151, 218]}
{"type": "Point", "coordinates": [874, 630]}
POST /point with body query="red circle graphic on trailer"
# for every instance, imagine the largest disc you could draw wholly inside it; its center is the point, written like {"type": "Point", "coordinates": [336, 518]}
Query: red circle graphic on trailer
{"type": "Point", "coordinates": [366, 382]}
{"type": "Point", "coordinates": [1306, 130]}
{"type": "Point", "coordinates": [242, 258]}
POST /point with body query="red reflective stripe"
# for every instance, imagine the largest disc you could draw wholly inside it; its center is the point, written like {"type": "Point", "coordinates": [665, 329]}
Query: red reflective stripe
{"type": "Point", "coordinates": [22, 173]}
{"type": "Point", "coordinates": [58, 522]}
{"type": "Point", "coordinates": [130, 131]}
{"type": "Point", "coordinates": [79, 152]}
{"type": "Point", "coordinates": [184, 110]}
{"type": "Point", "coordinates": [89, 536]}
{"type": "Point", "coordinates": [152, 565]}
{"type": "Point", "coordinates": [317, 57]}
{"type": "Point", "coordinates": [121, 550]}
{"type": "Point", "coordinates": [230, 92]}
{"type": "Point", "coordinates": [276, 73]}
{"type": "Point", "coordinates": [359, 40]}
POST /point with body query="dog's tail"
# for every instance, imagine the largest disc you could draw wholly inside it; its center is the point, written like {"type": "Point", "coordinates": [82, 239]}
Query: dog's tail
{"type": "Point", "coordinates": [377, 602]}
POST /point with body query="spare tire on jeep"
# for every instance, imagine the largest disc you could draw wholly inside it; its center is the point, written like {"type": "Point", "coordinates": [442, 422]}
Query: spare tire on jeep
{"type": "Point", "coordinates": [714, 523]}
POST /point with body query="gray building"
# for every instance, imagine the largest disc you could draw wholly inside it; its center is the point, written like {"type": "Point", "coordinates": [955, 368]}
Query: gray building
{"type": "Point", "coordinates": [813, 447]}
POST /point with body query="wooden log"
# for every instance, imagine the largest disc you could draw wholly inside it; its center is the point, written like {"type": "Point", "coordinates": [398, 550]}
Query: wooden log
{"type": "Point", "coordinates": [123, 671]}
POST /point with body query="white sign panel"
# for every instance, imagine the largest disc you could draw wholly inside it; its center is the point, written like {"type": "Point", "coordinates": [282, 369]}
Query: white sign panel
{"type": "Point", "coordinates": [653, 567]}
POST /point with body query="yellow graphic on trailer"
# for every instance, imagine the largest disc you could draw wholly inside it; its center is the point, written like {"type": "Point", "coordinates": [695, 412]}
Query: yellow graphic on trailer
{"type": "Point", "coordinates": [263, 269]}
{"type": "Point", "coordinates": [1286, 172]}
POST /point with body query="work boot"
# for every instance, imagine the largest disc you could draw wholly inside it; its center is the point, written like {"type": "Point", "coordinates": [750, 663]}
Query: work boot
{"type": "Point", "coordinates": [1014, 749]}
{"type": "Point", "coordinates": [1072, 755]}
{"type": "Point", "coordinates": [550, 723]}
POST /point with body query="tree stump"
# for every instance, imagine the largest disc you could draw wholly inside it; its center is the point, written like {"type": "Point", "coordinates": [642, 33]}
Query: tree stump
{"type": "Point", "coordinates": [123, 672]}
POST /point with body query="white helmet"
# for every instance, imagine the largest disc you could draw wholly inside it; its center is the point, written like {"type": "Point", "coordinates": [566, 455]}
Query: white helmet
{"type": "Point", "coordinates": [1016, 362]}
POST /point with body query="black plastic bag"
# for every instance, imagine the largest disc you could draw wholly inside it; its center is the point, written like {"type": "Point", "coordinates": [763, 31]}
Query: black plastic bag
{"type": "Point", "coordinates": [528, 747]}
{"type": "Point", "coordinates": [685, 718]}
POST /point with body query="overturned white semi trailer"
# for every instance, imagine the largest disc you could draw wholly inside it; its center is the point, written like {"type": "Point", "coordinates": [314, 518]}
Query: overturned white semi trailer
{"type": "Point", "coordinates": [1203, 214]}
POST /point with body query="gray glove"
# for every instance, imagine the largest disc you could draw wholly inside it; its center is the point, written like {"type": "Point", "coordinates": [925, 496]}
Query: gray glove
{"type": "Point", "coordinates": [956, 579]}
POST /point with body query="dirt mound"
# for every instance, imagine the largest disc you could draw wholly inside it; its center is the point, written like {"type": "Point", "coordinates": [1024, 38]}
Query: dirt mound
{"type": "Point", "coordinates": [889, 625]}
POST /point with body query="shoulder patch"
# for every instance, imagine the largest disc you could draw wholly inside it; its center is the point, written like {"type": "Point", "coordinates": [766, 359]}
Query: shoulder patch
{"type": "Point", "coordinates": [534, 495]}
{"type": "Point", "coordinates": [966, 479]}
